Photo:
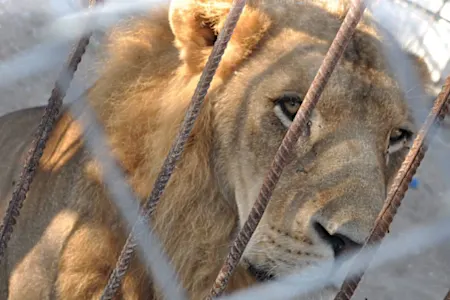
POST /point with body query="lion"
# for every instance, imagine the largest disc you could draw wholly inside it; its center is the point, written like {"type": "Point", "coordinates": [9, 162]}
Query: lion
{"type": "Point", "coordinates": [69, 234]}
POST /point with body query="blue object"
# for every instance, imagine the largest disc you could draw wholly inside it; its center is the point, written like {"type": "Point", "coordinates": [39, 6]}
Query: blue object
{"type": "Point", "coordinates": [414, 183]}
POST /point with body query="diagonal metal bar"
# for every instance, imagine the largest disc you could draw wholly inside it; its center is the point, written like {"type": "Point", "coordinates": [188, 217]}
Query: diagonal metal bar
{"type": "Point", "coordinates": [447, 297]}
{"type": "Point", "coordinates": [400, 184]}
{"type": "Point", "coordinates": [31, 162]}
{"type": "Point", "coordinates": [177, 149]}
{"type": "Point", "coordinates": [331, 59]}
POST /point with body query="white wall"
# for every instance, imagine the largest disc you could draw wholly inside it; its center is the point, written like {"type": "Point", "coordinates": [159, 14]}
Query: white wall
{"type": "Point", "coordinates": [424, 28]}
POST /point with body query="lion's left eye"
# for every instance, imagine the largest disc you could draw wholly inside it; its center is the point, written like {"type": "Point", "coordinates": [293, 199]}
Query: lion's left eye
{"type": "Point", "coordinates": [398, 139]}
{"type": "Point", "coordinates": [286, 107]}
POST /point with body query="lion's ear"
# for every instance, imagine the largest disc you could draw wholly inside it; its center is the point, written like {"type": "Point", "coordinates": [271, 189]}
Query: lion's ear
{"type": "Point", "coordinates": [197, 23]}
{"type": "Point", "coordinates": [424, 74]}
{"type": "Point", "coordinates": [421, 68]}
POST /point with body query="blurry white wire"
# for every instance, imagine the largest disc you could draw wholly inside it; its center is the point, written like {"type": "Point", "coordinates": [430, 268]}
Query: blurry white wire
{"type": "Point", "coordinates": [121, 193]}
{"type": "Point", "coordinates": [40, 58]}
{"type": "Point", "coordinates": [60, 33]}
{"type": "Point", "coordinates": [104, 16]}
{"type": "Point", "coordinates": [392, 249]}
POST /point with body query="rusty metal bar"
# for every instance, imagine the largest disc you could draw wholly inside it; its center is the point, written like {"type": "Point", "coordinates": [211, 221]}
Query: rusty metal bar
{"type": "Point", "coordinates": [293, 134]}
{"type": "Point", "coordinates": [31, 162]}
{"type": "Point", "coordinates": [447, 297]}
{"type": "Point", "coordinates": [177, 149]}
{"type": "Point", "coordinates": [400, 184]}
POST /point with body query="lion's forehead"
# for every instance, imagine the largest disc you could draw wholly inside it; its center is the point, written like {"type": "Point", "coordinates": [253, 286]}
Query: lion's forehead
{"type": "Point", "coordinates": [357, 87]}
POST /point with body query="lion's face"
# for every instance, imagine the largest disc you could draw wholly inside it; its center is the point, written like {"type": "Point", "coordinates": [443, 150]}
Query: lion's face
{"type": "Point", "coordinates": [334, 185]}
{"type": "Point", "coordinates": [336, 181]}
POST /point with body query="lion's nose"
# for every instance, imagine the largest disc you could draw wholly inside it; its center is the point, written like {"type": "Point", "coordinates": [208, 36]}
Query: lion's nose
{"type": "Point", "coordinates": [340, 243]}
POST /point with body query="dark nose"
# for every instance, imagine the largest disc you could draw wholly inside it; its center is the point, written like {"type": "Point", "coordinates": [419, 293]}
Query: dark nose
{"type": "Point", "coordinates": [340, 243]}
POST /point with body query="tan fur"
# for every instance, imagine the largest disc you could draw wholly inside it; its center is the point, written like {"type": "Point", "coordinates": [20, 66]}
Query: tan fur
{"type": "Point", "coordinates": [69, 234]}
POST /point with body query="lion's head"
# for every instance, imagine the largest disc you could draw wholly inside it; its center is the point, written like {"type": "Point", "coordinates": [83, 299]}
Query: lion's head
{"type": "Point", "coordinates": [335, 182]}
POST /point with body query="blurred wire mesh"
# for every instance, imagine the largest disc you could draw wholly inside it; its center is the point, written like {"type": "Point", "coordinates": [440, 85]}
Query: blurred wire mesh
{"type": "Point", "coordinates": [424, 27]}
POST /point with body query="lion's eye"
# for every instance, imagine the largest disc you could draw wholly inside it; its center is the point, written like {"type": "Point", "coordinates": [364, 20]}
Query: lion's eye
{"type": "Point", "coordinates": [398, 139]}
{"type": "Point", "coordinates": [286, 107]}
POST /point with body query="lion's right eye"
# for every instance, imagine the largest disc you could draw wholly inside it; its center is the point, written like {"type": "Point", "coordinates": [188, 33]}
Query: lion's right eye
{"type": "Point", "coordinates": [286, 107]}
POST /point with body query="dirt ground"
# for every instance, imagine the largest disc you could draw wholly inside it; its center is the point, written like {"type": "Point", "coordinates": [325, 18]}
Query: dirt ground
{"type": "Point", "coordinates": [422, 276]}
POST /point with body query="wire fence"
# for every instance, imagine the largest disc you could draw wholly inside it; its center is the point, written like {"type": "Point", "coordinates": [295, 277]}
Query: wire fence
{"type": "Point", "coordinates": [122, 195]}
